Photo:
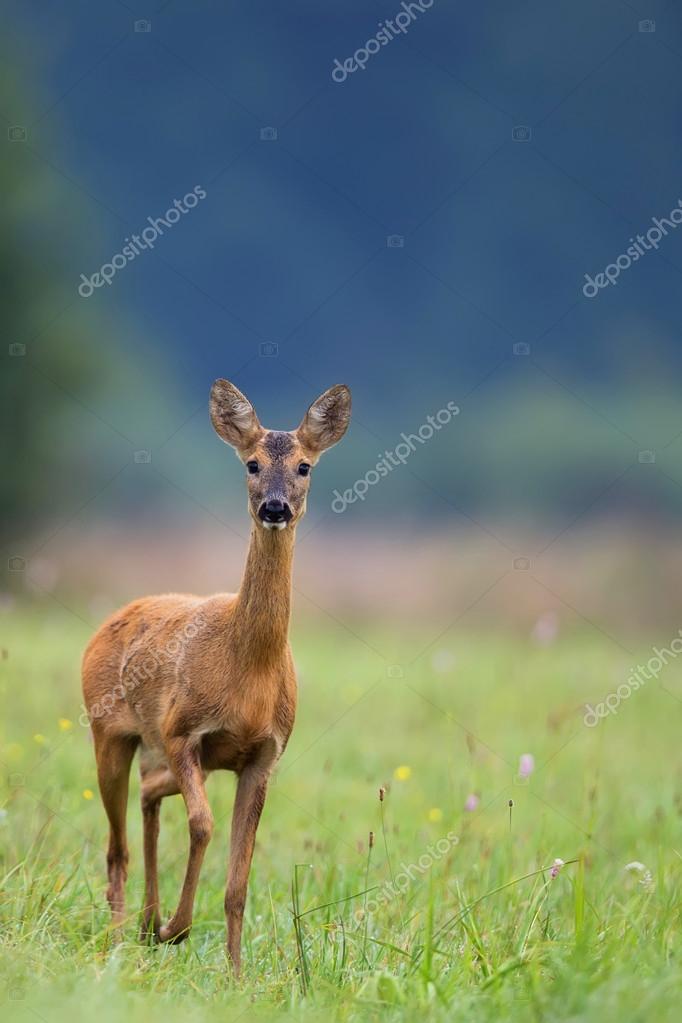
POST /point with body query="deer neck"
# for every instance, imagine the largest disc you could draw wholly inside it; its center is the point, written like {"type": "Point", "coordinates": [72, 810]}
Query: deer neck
{"type": "Point", "coordinates": [263, 606]}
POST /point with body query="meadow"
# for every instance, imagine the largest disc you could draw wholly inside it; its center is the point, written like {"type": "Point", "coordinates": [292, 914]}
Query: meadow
{"type": "Point", "coordinates": [452, 911]}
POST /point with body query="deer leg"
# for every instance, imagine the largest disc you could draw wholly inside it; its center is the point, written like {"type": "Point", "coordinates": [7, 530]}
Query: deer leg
{"type": "Point", "coordinates": [155, 785]}
{"type": "Point", "coordinates": [248, 805]}
{"type": "Point", "coordinates": [183, 758]}
{"type": "Point", "coordinates": [114, 756]}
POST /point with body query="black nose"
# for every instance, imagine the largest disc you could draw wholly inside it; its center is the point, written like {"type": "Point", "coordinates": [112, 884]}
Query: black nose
{"type": "Point", "coordinates": [274, 511]}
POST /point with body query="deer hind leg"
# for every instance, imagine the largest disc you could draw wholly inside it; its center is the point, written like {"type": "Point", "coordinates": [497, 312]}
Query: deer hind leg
{"type": "Point", "coordinates": [114, 756]}
{"type": "Point", "coordinates": [248, 806]}
{"type": "Point", "coordinates": [183, 757]}
{"type": "Point", "coordinates": [157, 782]}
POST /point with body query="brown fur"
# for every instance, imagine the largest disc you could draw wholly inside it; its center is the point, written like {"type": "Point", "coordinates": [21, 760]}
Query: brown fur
{"type": "Point", "coordinates": [204, 684]}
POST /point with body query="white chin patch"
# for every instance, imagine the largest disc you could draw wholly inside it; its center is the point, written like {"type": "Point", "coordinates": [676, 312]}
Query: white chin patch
{"type": "Point", "coordinates": [274, 525]}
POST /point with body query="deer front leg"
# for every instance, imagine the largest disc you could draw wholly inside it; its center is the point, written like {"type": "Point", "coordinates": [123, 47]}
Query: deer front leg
{"type": "Point", "coordinates": [248, 805]}
{"type": "Point", "coordinates": [183, 758]}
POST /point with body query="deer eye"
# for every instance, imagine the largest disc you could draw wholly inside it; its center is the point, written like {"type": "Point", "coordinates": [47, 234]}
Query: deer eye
{"type": "Point", "coordinates": [303, 469]}
{"type": "Point", "coordinates": [252, 467]}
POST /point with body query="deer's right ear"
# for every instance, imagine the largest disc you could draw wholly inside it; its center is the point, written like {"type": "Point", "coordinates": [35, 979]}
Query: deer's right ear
{"type": "Point", "coordinates": [233, 416]}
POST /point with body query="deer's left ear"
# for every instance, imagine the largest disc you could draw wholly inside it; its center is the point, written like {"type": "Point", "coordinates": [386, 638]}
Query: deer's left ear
{"type": "Point", "coordinates": [326, 420]}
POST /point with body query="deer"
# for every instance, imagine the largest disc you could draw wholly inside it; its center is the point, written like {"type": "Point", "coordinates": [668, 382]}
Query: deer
{"type": "Point", "coordinates": [200, 684]}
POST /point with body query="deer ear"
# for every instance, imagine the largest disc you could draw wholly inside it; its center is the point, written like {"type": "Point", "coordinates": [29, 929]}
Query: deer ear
{"type": "Point", "coordinates": [233, 416]}
{"type": "Point", "coordinates": [326, 420]}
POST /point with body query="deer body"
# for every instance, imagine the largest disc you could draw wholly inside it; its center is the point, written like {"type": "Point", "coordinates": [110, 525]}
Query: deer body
{"type": "Point", "coordinates": [205, 684]}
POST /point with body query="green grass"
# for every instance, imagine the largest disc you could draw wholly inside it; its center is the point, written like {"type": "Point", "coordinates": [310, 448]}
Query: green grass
{"type": "Point", "coordinates": [483, 933]}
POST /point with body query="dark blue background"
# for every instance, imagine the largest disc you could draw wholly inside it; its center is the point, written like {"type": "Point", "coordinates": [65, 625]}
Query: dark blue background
{"type": "Point", "coordinates": [290, 245]}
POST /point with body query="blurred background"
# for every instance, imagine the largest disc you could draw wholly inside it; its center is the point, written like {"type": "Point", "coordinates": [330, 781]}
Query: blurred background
{"type": "Point", "coordinates": [420, 230]}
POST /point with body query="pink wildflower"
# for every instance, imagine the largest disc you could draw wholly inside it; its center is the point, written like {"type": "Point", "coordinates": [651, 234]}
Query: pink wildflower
{"type": "Point", "coordinates": [556, 867]}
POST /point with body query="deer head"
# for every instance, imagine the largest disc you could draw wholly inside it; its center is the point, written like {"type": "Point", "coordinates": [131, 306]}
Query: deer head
{"type": "Point", "coordinates": [278, 462]}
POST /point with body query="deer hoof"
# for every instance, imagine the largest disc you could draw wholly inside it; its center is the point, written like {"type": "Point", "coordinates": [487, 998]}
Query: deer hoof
{"type": "Point", "coordinates": [172, 935]}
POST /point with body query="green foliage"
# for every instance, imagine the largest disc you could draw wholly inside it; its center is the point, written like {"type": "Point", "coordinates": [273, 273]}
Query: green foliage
{"type": "Point", "coordinates": [37, 224]}
{"type": "Point", "coordinates": [70, 375]}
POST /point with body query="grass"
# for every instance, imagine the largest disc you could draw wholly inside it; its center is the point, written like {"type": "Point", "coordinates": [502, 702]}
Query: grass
{"type": "Point", "coordinates": [475, 930]}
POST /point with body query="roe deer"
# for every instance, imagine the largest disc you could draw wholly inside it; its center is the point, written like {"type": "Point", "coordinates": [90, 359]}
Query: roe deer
{"type": "Point", "coordinates": [202, 684]}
